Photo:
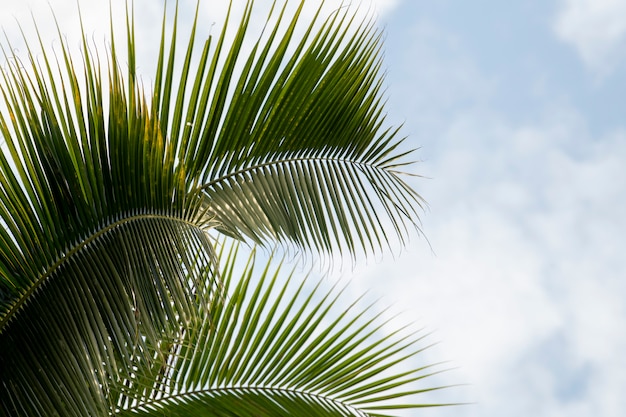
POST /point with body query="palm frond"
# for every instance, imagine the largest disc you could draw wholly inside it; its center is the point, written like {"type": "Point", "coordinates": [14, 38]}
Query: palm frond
{"type": "Point", "coordinates": [300, 130]}
{"type": "Point", "coordinates": [298, 135]}
{"type": "Point", "coordinates": [110, 298]}
{"type": "Point", "coordinates": [275, 348]}
{"type": "Point", "coordinates": [99, 312]}
{"type": "Point", "coordinates": [74, 169]}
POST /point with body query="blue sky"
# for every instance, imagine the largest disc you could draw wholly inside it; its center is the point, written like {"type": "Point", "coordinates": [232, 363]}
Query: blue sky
{"type": "Point", "coordinates": [518, 109]}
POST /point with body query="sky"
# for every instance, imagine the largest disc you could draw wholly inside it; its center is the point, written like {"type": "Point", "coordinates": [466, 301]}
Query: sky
{"type": "Point", "coordinates": [518, 110]}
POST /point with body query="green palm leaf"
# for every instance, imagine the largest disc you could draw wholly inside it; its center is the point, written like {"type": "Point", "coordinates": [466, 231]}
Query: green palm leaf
{"type": "Point", "coordinates": [111, 300]}
{"type": "Point", "coordinates": [99, 313]}
{"type": "Point", "coordinates": [295, 153]}
{"type": "Point", "coordinates": [294, 146]}
{"type": "Point", "coordinates": [279, 349]}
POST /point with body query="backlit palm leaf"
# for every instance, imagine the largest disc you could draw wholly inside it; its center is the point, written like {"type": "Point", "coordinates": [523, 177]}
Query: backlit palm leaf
{"type": "Point", "coordinates": [292, 145]}
{"type": "Point", "coordinates": [273, 349]}
{"type": "Point", "coordinates": [108, 276]}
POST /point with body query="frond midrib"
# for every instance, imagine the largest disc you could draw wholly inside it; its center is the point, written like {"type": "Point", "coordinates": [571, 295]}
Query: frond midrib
{"type": "Point", "coordinates": [236, 388]}
{"type": "Point", "coordinates": [62, 258]}
{"type": "Point", "coordinates": [289, 161]}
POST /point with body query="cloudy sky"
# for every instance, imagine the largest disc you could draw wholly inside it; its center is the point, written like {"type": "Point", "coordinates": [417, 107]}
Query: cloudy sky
{"type": "Point", "coordinates": [519, 111]}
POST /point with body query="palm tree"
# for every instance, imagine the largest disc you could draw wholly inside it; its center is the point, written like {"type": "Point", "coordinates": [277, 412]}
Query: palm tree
{"type": "Point", "coordinates": [117, 295]}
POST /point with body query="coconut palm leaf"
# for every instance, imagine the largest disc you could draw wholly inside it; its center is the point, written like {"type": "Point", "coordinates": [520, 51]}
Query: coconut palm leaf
{"type": "Point", "coordinates": [295, 152]}
{"type": "Point", "coordinates": [277, 348]}
{"type": "Point", "coordinates": [108, 193]}
{"type": "Point", "coordinates": [294, 146]}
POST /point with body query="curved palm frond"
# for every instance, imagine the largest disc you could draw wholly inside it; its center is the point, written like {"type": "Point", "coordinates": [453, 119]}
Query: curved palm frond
{"type": "Point", "coordinates": [295, 151]}
{"type": "Point", "coordinates": [293, 147]}
{"type": "Point", "coordinates": [103, 248]}
{"type": "Point", "coordinates": [75, 169]}
{"type": "Point", "coordinates": [279, 349]}
{"type": "Point", "coordinates": [98, 314]}
{"type": "Point", "coordinates": [110, 296]}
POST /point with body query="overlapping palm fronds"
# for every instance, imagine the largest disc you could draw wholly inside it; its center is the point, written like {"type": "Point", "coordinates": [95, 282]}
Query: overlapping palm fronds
{"type": "Point", "coordinates": [111, 300]}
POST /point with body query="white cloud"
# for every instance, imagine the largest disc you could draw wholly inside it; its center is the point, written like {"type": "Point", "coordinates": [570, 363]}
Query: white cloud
{"type": "Point", "coordinates": [383, 7]}
{"type": "Point", "coordinates": [597, 29]}
{"type": "Point", "coordinates": [526, 288]}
